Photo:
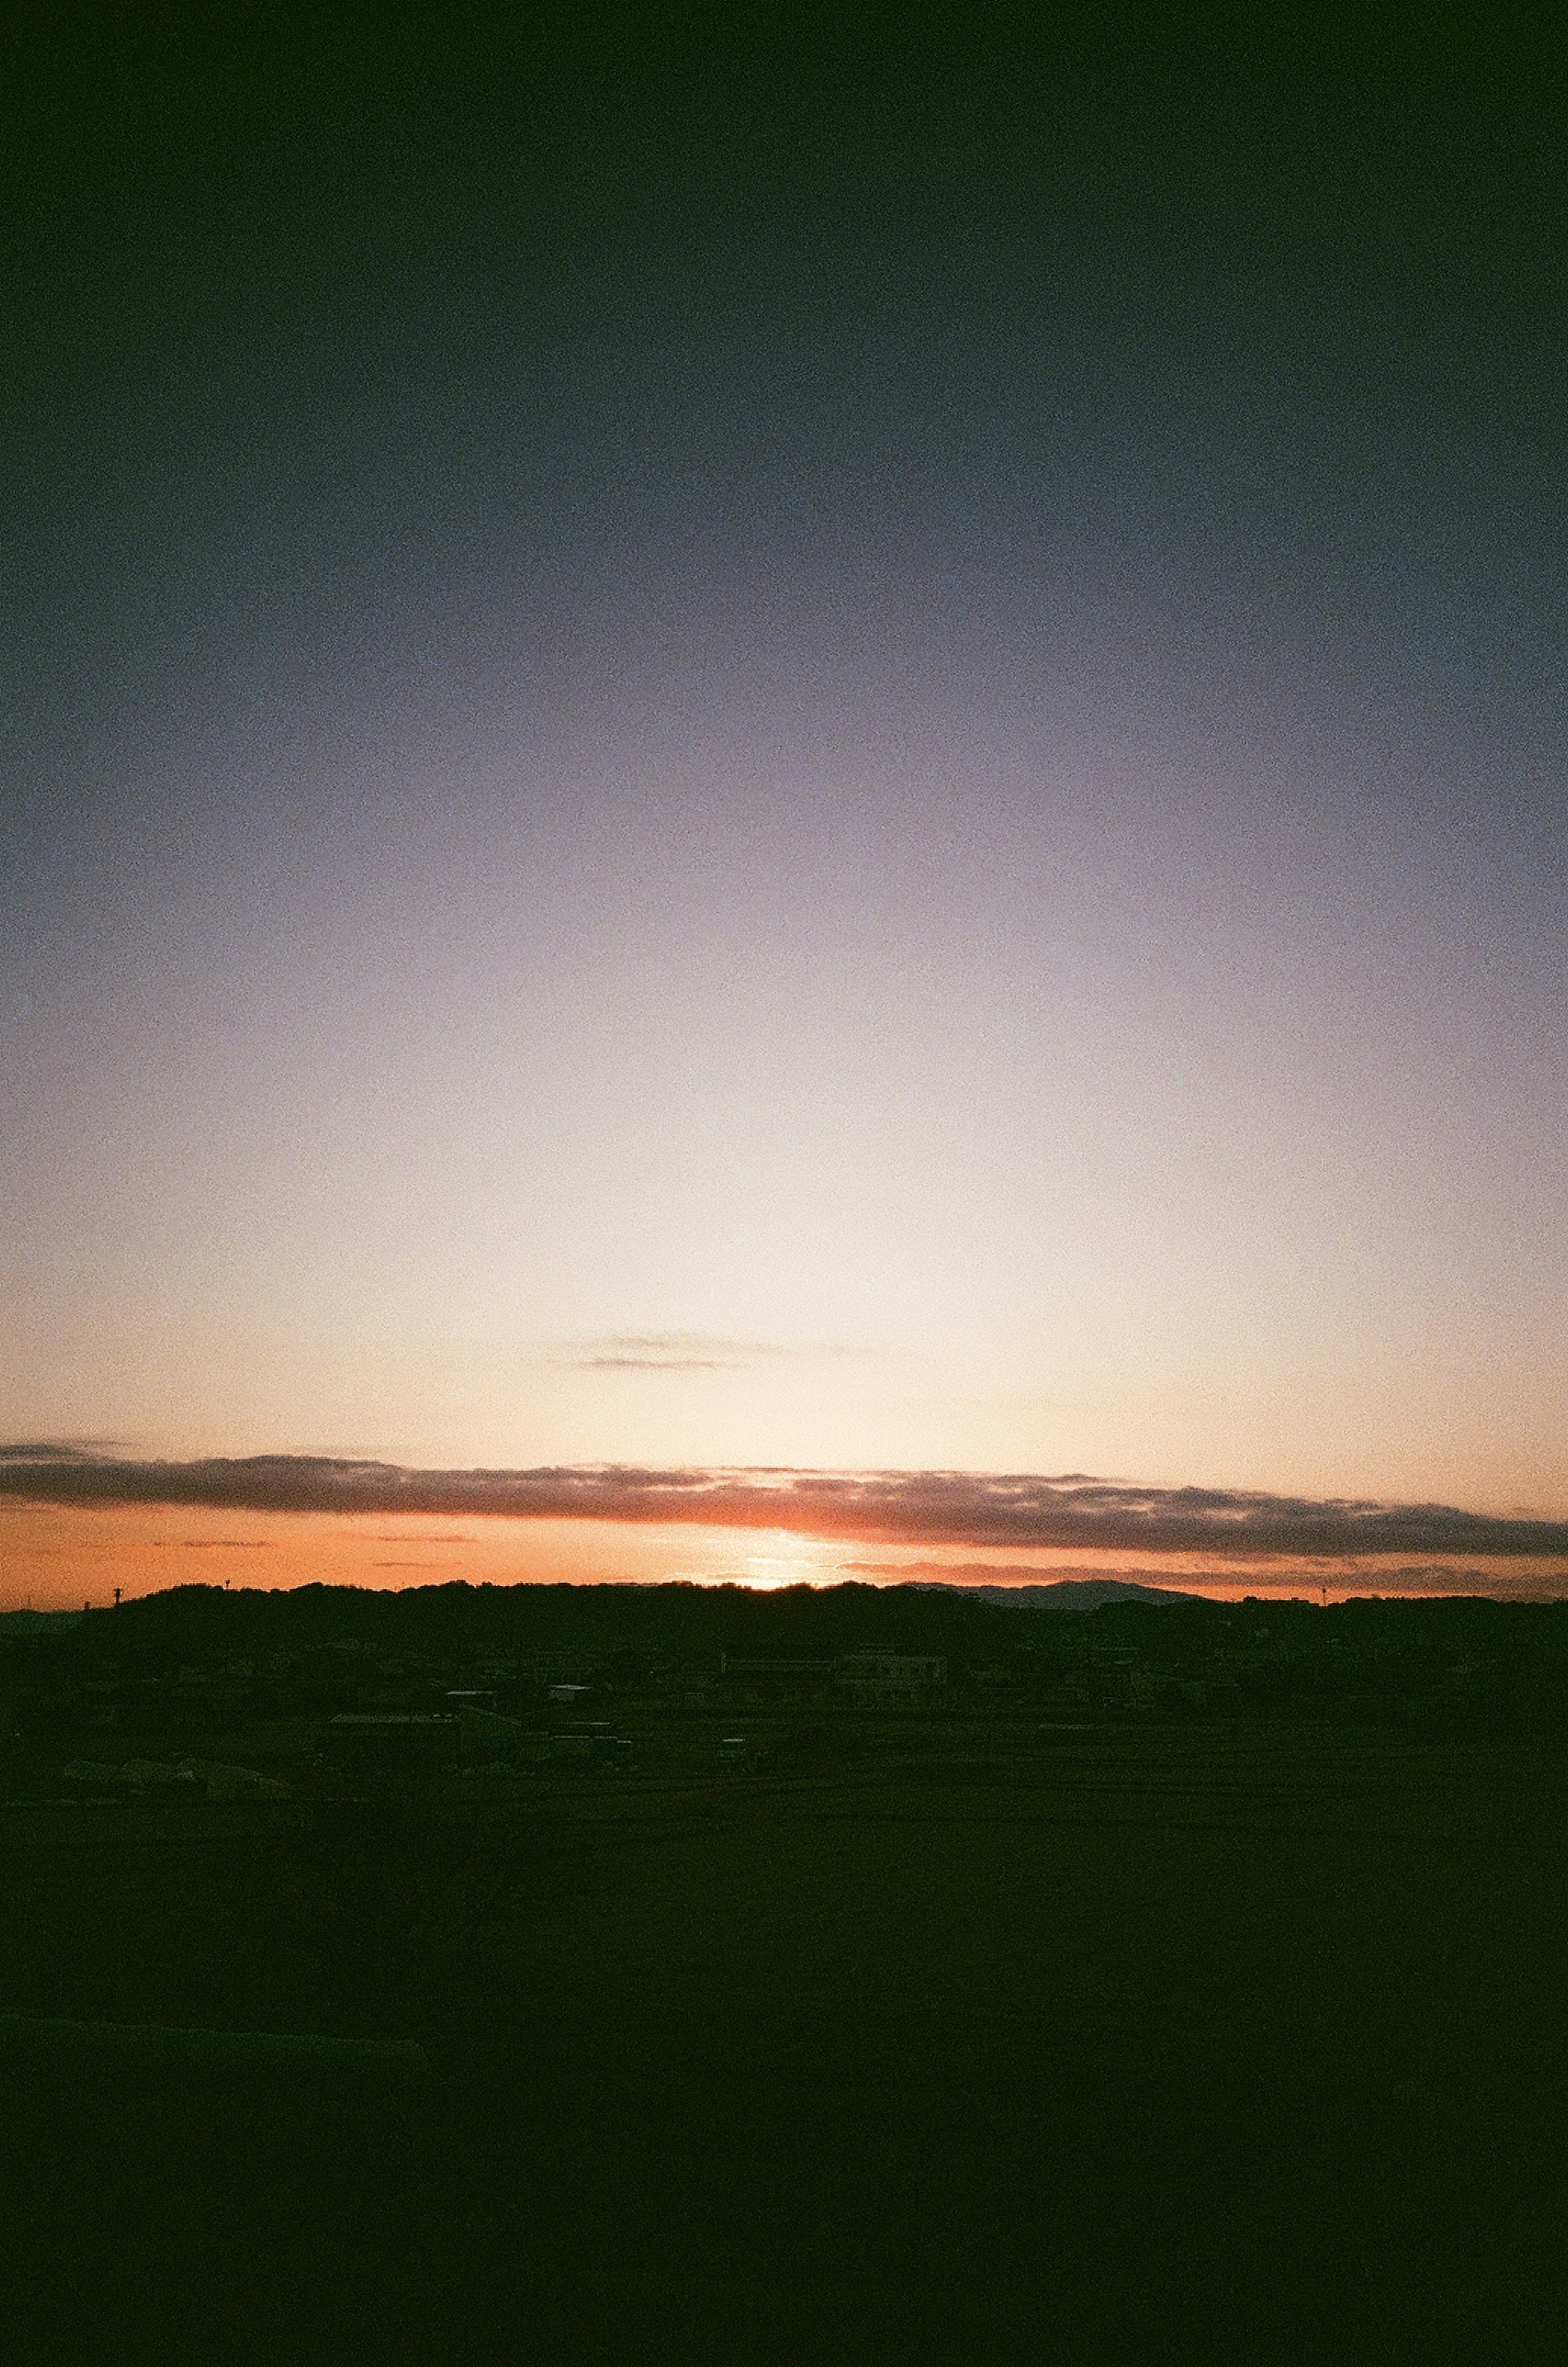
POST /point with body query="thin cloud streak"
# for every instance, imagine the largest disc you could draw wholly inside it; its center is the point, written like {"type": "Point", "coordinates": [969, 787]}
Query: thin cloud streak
{"type": "Point", "coordinates": [659, 1364]}
{"type": "Point", "coordinates": [686, 1352]}
{"type": "Point", "coordinates": [1026, 1510]}
{"type": "Point", "coordinates": [60, 1450]}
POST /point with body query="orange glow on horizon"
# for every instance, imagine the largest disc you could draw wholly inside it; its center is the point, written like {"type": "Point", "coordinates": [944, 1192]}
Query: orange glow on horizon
{"type": "Point", "coordinates": [57, 1559]}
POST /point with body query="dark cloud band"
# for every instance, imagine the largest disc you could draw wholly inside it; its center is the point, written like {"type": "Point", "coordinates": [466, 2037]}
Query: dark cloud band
{"type": "Point", "coordinates": [947, 1508]}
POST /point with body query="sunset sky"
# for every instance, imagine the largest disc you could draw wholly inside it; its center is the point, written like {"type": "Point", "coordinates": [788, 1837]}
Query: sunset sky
{"type": "Point", "coordinates": [717, 758]}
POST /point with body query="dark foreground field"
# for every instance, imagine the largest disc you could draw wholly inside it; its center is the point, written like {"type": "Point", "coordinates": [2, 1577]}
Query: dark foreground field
{"type": "Point", "coordinates": [1127, 2043]}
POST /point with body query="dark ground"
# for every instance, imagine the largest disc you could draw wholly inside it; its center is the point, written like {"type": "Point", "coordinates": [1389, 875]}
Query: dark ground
{"type": "Point", "coordinates": [1137, 2043]}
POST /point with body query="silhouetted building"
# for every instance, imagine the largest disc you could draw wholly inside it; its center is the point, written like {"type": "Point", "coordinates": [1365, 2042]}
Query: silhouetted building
{"type": "Point", "coordinates": [890, 1680]}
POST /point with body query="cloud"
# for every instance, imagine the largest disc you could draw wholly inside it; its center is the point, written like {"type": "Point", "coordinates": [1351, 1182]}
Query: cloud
{"type": "Point", "coordinates": [56, 1451]}
{"type": "Point", "coordinates": [1024, 1511]}
{"type": "Point", "coordinates": [212, 1545]}
{"type": "Point", "coordinates": [451, 1537]}
{"type": "Point", "coordinates": [691, 1352]}
{"type": "Point", "coordinates": [659, 1364]}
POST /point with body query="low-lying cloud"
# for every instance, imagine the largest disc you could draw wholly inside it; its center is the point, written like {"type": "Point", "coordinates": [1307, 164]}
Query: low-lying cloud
{"type": "Point", "coordinates": [1024, 1512]}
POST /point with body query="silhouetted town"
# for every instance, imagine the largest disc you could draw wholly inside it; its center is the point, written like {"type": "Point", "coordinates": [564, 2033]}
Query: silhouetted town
{"type": "Point", "coordinates": [204, 1694]}
{"type": "Point", "coordinates": [565, 1961]}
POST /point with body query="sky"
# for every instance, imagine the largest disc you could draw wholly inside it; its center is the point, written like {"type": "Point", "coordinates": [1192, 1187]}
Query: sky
{"type": "Point", "coordinates": [721, 754]}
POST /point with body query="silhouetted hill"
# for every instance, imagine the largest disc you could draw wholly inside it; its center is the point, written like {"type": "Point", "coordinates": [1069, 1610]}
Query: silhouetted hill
{"type": "Point", "coordinates": [204, 1623]}
{"type": "Point", "coordinates": [1063, 1593]}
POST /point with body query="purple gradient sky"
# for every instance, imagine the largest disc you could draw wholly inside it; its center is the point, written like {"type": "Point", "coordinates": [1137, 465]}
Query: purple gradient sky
{"type": "Point", "coordinates": [704, 771]}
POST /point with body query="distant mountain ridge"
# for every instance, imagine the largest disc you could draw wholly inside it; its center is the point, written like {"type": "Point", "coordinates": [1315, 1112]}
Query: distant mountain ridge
{"type": "Point", "coordinates": [1062, 1593]}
